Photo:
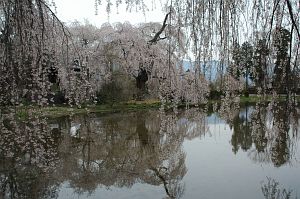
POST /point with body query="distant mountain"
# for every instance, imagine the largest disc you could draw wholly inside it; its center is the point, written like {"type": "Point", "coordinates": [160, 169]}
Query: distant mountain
{"type": "Point", "coordinates": [210, 68]}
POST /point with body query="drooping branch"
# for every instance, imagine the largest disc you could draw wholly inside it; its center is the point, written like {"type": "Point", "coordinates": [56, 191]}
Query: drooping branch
{"type": "Point", "coordinates": [292, 17]}
{"type": "Point", "coordinates": [157, 37]}
{"type": "Point", "coordinates": [272, 18]}
{"type": "Point", "coordinates": [64, 28]}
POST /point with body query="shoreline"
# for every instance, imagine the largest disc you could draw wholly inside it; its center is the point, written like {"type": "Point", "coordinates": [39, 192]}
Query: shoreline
{"type": "Point", "coordinates": [65, 110]}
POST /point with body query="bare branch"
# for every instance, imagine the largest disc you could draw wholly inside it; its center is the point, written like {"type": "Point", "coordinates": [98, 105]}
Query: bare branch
{"type": "Point", "coordinates": [292, 17]}
{"type": "Point", "coordinates": [157, 35]}
{"type": "Point", "coordinates": [272, 19]}
{"type": "Point", "coordinates": [64, 28]}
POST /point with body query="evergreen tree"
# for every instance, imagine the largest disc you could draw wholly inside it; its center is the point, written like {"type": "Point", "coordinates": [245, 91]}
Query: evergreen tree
{"type": "Point", "coordinates": [282, 69]}
{"type": "Point", "coordinates": [235, 70]}
{"type": "Point", "coordinates": [260, 64]}
{"type": "Point", "coordinates": [247, 63]}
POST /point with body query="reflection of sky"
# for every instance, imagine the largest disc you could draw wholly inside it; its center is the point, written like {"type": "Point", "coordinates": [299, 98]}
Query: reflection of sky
{"type": "Point", "coordinates": [137, 191]}
{"type": "Point", "coordinates": [214, 119]}
{"type": "Point", "coordinates": [246, 112]}
{"type": "Point", "coordinates": [213, 171]}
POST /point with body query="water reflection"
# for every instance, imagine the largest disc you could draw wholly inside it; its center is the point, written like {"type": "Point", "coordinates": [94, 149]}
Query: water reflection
{"type": "Point", "coordinates": [90, 151]}
{"type": "Point", "coordinates": [269, 132]}
{"type": "Point", "coordinates": [272, 190]}
{"type": "Point", "coordinates": [28, 156]}
{"type": "Point", "coordinates": [119, 150]}
{"type": "Point", "coordinates": [241, 137]}
{"type": "Point", "coordinates": [115, 152]}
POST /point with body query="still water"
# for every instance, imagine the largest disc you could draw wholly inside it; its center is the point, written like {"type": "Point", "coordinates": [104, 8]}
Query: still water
{"type": "Point", "coordinates": [229, 153]}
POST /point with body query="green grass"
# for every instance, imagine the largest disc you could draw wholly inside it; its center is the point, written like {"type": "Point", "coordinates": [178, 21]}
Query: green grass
{"type": "Point", "coordinates": [58, 111]}
{"type": "Point", "coordinates": [255, 98]}
{"type": "Point", "coordinates": [252, 99]}
{"type": "Point", "coordinates": [64, 110]}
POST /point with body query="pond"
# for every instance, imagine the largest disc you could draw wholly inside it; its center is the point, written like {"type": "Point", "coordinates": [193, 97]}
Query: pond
{"type": "Point", "coordinates": [229, 152]}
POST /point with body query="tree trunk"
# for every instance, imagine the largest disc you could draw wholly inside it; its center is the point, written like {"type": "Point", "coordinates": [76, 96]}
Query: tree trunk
{"type": "Point", "coordinates": [141, 80]}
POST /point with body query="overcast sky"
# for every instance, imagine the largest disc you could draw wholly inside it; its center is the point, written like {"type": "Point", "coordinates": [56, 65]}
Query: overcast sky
{"type": "Point", "coordinates": [71, 10]}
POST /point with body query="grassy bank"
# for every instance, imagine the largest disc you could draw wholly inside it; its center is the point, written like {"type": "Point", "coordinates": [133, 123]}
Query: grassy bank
{"type": "Point", "coordinates": [255, 98]}
{"type": "Point", "coordinates": [63, 110]}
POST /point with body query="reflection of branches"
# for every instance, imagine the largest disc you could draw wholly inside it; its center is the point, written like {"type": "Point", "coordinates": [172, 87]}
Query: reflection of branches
{"type": "Point", "coordinates": [259, 156]}
{"type": "Point", "coordinates": [271, 190]}
{"type": "Point", "coordinates": [26, 183]}
{"type": "Point", "coordinates": [28, 152]}
{"type": "Point", "coordinates": [229, 108]}
{"type": "Point", "coordinates": [259, 126]}
{"type": "Point", "coordinates": [194, 123]}
{"type": "Point", "coordinates": [164, 181]}
{"type": "Point", "coordinates": [241, 136]}
{"type": "Point", "coordinates": [170, 167]}
{"type": "Point", "coordinates": [280, 135]}
{"type": "Point", "coordinates": [170, 176]}
{"type": "Point", "coordinates": [112, 150]}
{"type": "Point", "coordinates": [272, 129]}
{"type": "Point", "coordinates": [124, 152]}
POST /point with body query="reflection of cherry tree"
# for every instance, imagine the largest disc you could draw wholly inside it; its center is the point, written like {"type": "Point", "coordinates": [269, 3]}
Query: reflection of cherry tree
{"type": "Point", "coordinates": [115, 152]}
{"type": "Point", "coordinates": [28, 155]}
{"type": "Point", "coordinates": [112, 150]}
{"type": "Point", "coordinates": [228, 109]}
{"type": "Point", "coordinates": [271, 190]}
{"type": "Point", "coordinates": [120, 151]}
{"type": "Point", "coordinates": [281, 142]}
{"type": "Point", "coordinates": [230, 103]}
{"type": "Point", "coordinates": [241, 135]}
{"type": "Point", "coordinates": [193, 122]}
{"type": "Point", "coordinates": [171, 166]}
{"type": "Point", "coordinates": [260, 125]}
